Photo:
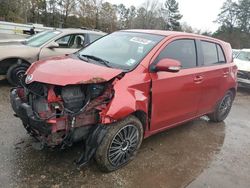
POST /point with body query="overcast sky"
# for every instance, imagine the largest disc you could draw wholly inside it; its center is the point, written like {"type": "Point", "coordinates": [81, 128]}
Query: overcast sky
{"type": "Point", "coordinates": [200, 14]}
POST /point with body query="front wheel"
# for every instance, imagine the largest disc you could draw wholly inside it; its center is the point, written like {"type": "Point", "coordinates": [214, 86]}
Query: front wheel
{"type": "Point", "coordinates": [223, 108]}
{"type": "Point", "coordinates": [15, 73]}
{"type": "Point", "coordinates": [120, 144]}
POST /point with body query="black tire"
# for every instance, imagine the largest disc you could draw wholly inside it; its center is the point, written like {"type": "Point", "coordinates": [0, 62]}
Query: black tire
{"type": "Point", "coordinates": [15, 73]}
{"type": "Point", "coordinates": [118, 145]}
{"type": "Point", "coordinates": [223, 108]}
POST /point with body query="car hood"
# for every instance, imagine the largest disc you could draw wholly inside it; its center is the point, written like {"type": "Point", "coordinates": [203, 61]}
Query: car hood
{"type": "Point", "coordinates": [242, 65]}
{"type": "Point", "coordinates": [66, 70]}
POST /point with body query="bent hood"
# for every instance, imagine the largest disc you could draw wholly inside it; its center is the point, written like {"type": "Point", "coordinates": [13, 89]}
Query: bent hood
{"type": "Point", "coordinates": [66, 71]}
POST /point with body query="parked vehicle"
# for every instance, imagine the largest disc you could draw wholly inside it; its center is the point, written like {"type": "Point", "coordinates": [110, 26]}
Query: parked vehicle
{"type": "Point", "coordinates": [15, 58]}
{"type": "Point", "coordinates": [236, 52]}
{"type": "Point", "coordinates": [125, 87]}
{"type": "Point", "coordinates": [242, 61]}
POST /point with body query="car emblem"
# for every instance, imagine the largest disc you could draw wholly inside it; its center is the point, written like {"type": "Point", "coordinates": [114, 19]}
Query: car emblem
{"type": "Point", "coordinates": [29, 78]}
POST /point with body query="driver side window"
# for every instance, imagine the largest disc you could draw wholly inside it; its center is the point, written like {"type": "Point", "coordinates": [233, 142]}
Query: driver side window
{"type": "Point", "coordinates": [183, 50]}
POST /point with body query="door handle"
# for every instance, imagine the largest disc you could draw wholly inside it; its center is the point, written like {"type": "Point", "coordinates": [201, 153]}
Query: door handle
{"type": "Point", "coordinates": [198, 79]}
{"type": "Point", "coordinates": [225, 74]}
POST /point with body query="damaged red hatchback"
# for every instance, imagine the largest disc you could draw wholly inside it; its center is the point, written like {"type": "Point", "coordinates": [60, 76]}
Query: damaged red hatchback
{"type": "Point", "coordinates": [125, 87]}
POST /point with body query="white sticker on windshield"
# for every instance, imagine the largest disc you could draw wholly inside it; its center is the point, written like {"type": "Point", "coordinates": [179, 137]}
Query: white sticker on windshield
{"type": "Point", "coordinates": [140, 40]}
{"type": "Point", "coordinates": [130, 62]}
{"type": "Point", "coordinates": [140, 49]}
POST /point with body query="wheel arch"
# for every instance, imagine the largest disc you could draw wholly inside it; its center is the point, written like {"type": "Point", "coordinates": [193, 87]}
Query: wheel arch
{"type": "Point", "coordinates": [142, 116]}
{"type": "Point", "coordinates": [233, 90]}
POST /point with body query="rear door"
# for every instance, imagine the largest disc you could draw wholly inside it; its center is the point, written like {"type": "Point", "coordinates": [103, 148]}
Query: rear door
{"type": "Point", "coordinates": [215, 73]}
{"type": "Point", "coordinates": [175, 96]}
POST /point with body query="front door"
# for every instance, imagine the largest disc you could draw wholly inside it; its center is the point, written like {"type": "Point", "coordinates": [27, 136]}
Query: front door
{"type": "Point", "coordinates": [175, 96]}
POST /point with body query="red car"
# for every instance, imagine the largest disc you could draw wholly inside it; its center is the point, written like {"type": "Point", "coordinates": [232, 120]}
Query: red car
{"type": "Point", "coordinates": [125, 87]}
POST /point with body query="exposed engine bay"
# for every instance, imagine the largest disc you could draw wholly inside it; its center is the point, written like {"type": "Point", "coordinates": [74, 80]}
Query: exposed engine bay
{"type": "Point", "coordinates": [60, 115]}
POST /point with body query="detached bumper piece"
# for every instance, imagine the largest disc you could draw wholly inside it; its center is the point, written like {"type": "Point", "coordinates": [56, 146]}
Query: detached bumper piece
{"type": "Point", "coordinates": [95, 137]}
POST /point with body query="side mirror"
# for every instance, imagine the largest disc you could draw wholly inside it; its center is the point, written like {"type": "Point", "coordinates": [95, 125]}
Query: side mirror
{"type": "Point", "coordinates": [166, 65]}
{"type": "Point", "coordinates": [53, 45]}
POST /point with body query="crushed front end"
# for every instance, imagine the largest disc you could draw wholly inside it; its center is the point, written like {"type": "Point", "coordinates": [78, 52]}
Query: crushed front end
{"type": "Point", "coordinates": [60, 115]}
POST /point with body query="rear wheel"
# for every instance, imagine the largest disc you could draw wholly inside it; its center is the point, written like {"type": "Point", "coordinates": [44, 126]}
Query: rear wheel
{"type": "Point", "coordinates": [15, 73]}
{"type": "Point", "coordinates": [223, 108]}
{"type": "Point", "coordinates": [120, 144]}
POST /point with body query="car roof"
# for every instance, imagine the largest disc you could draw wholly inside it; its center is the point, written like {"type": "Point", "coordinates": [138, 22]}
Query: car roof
{"type": "Point", "coordinates": [171, 33]}
{"type": "Point", "coordinates": [75, 30]}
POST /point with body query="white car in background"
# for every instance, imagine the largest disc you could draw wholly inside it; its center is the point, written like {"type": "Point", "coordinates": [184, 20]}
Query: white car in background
{"type": "Point", "coordinates": [236, 52]}
{"type": "Point", "coordinates": [242, 61]}
{"type": "Point", "coordinates": [16, 57]}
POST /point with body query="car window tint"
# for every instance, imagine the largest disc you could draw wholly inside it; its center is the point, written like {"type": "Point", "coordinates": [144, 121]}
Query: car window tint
{"type": "Point", "coordinates": [210, 53]}
{"type": "Point", "coordinates": [93, 37]}
{"type": "Point", "coordinates": [181, 50]}
{"type": "Point", "coordinates": [221, 54]}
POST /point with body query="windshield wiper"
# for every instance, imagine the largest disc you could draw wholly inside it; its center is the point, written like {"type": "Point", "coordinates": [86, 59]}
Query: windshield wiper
{"type": "Point", "coordinates": [102, 61]}
{"type": "Point", "coordinates": [82, 58]}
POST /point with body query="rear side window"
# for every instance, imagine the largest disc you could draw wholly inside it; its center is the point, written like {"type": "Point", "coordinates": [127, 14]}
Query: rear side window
{"type": "Point", "coordinates": [210, 53]}
{"type": "Point", "coordinates": [183, 50]}
{"type": "Point", "coordinates": [213, 53]}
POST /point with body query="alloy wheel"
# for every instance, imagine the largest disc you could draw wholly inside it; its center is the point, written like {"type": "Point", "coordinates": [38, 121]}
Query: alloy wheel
{"type": "Point", "coordinates": [123, 145]}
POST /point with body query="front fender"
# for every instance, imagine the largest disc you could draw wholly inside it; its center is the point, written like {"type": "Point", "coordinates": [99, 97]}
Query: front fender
{"type": "Point", "coordinates": [131, 94]}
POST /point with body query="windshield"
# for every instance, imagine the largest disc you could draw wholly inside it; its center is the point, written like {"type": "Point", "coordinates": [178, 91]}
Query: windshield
{"type": "Point", "coordinates": [244, 56]}
{"type": "Point", "coordinates": [121, 49]}
{"type": "Point", "coordinates": [41, 38]}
